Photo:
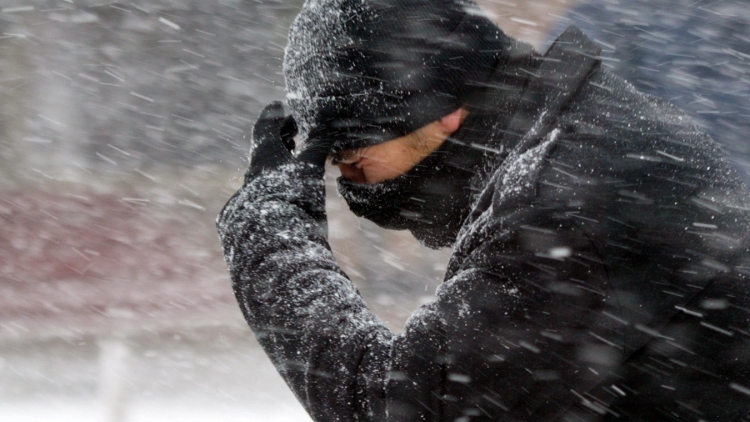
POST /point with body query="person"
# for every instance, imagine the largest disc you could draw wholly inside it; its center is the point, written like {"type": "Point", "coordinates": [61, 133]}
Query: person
{"type": "Point", "coordinates": [599, 237]}
{"type": "Point", "coordinates": [696, 54]}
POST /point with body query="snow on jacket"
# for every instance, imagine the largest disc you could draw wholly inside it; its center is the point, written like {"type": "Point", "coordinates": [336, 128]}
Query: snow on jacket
{"type": "Point", "coordinates": [601, 275]}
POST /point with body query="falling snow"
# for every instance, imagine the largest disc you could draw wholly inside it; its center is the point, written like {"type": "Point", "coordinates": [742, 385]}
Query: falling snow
{"type": "Point", "coordinates": [125, 127]}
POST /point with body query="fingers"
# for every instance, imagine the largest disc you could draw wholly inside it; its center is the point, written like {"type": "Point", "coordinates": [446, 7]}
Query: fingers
{"type": "Point", "coordinates": [315, 153]}
{"type": "Point", "coordinates": [272, 111]}
{"type": "Point", "coordinates": [273, 125]}
{"type": "Point", "coordinates": [269, 123]}
{"type": "Point", "coordinates": [288, 132]}
{"type": "Point", "coordinates": [271, 149]}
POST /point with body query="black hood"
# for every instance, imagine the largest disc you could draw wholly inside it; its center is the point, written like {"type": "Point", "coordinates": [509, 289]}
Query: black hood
{"type": "Point", "coordinates": [361, 72]}
{"type": "Point", "coordinates": [433, 199]}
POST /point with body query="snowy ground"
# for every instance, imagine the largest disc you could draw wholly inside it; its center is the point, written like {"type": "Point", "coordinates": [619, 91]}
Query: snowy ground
{"type": "Point", "coordinates": [186, 375]}
{"type": "Point", "coordinates": [75, 410]}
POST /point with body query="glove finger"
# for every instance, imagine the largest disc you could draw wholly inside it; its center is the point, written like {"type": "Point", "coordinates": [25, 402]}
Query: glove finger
{"type": "Point", "coordinates": [269, 123]}
{"type": "Point", "coordinates": [316, 152]}
{"type": "Point", "coordinates": [288, 132]}
{"type": "Point", "coordinates": [274, 110]}
{"type": "Point", "coordinates": [268, 150]}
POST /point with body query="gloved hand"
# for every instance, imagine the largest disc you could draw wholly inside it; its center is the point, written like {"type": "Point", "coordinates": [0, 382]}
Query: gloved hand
{"type": "Point", "coordinates": [273, 144]}
{"type": "Point", "coordinates": [273, 140]}
{"type": "Point", "coordinates": [316, 150]}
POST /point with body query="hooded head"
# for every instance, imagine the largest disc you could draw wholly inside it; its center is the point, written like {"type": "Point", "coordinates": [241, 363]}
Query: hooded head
{"type": "Point", "coordinates": [365, 71]}
{"type": "Point", "coordinates": [362, 72]}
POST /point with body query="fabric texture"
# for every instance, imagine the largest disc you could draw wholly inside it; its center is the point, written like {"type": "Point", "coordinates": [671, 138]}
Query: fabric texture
{"type": "Point", "coordinates": [600, 273]}
{"type": "Point", "coordinates": [362, 72]}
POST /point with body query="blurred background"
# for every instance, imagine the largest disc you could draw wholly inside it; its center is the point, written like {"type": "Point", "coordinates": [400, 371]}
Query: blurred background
{"type": "Point", "coordinates": [122, 134]}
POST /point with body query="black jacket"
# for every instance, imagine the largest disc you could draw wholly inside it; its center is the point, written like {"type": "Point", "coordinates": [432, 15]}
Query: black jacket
{"type": "Point", "coordinates": [600, 275]}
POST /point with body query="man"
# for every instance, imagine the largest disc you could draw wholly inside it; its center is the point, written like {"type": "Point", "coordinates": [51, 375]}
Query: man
{"type": "Point", "coordinates": [599, 238]}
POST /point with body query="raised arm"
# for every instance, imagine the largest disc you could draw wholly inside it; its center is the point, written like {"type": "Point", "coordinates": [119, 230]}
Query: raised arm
{"type": "Point", "coordinates": [474, 352]}
{"type": "Point", "coordinates": [304, 311]}
{"type": "Point", "coordinates": [453, 359]}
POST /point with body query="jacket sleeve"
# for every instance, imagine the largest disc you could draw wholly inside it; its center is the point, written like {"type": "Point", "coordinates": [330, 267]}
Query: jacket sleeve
{"type": "Point", "coordinates": [305, 312]}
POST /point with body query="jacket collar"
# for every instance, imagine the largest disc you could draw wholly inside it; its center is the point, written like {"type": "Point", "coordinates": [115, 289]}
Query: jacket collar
{"type": "Point", "coordinates": [550, 86]}
{"type": "Point", "coordinates": [565, 66]}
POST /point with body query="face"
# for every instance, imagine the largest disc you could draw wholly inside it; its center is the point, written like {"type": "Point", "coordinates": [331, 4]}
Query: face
{"type": "Point", "coordinates": [393, 158]}
{"type": "Point", "coordinates": [385, 161]}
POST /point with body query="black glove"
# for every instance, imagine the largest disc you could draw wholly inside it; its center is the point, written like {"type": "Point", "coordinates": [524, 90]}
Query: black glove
{"type": "Point", "coordinates": [273, 143]}
{"type": "Point", "coordinates": [316, 150]}
{"type": "Point", "coordinates": [273, 139]}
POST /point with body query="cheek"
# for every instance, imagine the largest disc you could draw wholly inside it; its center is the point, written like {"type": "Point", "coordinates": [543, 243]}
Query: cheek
{"type": "Point", "coordinates": [352, 173]}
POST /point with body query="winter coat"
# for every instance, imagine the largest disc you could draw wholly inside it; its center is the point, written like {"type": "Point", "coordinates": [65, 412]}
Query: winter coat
{"type": "Point", "coordinates": [694, 53]}
{"type": "Point", "coordinates": [601, 275]}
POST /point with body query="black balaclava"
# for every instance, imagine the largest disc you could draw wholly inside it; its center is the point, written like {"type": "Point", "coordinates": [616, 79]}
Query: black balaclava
{"type": "Point", "coordinates": [363, 72]}
{"type": "Point", "coordinates": [433, 199]}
